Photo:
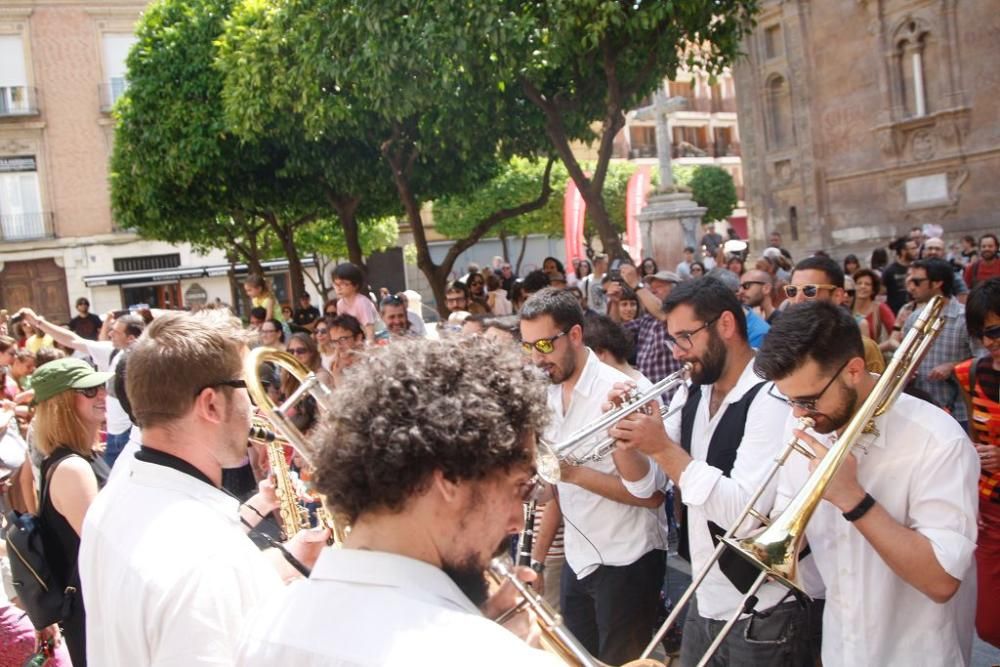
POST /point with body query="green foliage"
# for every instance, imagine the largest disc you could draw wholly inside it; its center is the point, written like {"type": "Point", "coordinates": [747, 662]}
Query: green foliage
{"type": "Point", "coordinates": [326, 237]}
{"type": "Point", "coordinates": [713, 188]}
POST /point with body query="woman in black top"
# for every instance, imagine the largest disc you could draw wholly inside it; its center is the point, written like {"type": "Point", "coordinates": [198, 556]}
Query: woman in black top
{"type": "Point", "coordinates": [71, 401]}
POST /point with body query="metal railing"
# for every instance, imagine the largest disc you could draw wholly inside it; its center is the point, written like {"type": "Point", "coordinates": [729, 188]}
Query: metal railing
{"type": "Point", "coordinates": [26, 226]}
{"type": "Point", "coordinates": [18, 101]}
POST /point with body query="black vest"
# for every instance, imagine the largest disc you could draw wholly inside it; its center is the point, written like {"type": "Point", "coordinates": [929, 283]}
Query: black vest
{"type": "Point", "coordinates": [722, 449]}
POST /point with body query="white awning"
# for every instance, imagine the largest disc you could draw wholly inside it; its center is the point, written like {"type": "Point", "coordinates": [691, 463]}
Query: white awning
{"type": "Point", "coordinates": [181, 273]}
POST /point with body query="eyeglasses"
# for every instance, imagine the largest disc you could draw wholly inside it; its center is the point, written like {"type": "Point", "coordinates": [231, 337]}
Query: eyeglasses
{"type": "Point", "coordinates": [89, 392]}
{"type": "Point", "coordinates": [683, 339]}
{"type": "Point", "coordinates": [298, 351]}
{"type": "Point", "coordinates": [916, 281]}
{"type": "Point", "coordinates": [543, 345]}
{"type": "Point", "coordinates": [235, 384]}
{"type": "Point", "coordinates": [750, 283]}
{"type": "Point", "coordinates": [322, 331]}
{"type": "Point", "coordinates": [993, 333]}
{"type": "Point", "coordinates": [810, 291]}
{"type": "Point", "coordinates": [269, 330]}
{"type": "Point", "coordinates": [342, 340]}
{"type": "Point", "coordinates": [808, 404]}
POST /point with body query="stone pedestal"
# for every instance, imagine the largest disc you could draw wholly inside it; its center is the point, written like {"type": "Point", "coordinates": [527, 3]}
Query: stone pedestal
{"type": "Point", "coordinates": [669, 222]}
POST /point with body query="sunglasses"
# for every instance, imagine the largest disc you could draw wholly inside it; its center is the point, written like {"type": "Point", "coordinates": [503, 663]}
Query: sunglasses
{"type": "Point", "coordinates": [543, 345]}
{"type": "Point", "coordinates": [322, 331]}
{"type": "Point", "coordinates": [916, 281]}
{"type": "Point", "coordinates": [993, 333]}
{"type": "Point", "coordinates": [810, 291]}
{"type": "Point", "coordinates": [89, 392]}
{"type": "Point", "coordinates": [750, 283]}
{"type": "Point", "coordinates": [235, 384]}
{"type": "Point", "coordinates": [298, 351]}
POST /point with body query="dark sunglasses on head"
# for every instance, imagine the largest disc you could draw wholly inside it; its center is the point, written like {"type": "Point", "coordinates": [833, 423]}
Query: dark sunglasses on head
{"type": "Point", "coordinates": [89, 392]}
{"type": "Point", "coordinates": [543, 345]}
{"type": "Point", "coordinates": [810, 291]}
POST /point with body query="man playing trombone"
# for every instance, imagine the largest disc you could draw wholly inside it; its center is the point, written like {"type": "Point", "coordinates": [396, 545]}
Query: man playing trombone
{"type": "Point", "coordinates": [894, 537]}
{"type": "Point", "coordinates": [716, 445]}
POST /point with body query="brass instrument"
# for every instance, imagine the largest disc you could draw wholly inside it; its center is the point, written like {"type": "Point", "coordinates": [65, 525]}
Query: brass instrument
{"type": "Point", "coordinates": [309, 385]}
{"type": "Point", "coordinates": [556, 638]}
{"type": "Point", "coordinates": [775, 551]}
{"type": "Point", "coordinates": [580, 448]}
{"type": "Point", "coordinates": [292, 516]}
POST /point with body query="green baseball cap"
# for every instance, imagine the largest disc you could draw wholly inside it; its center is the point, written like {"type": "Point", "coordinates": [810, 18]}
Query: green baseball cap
{"type": "Point", "coordinates": [62, 375]}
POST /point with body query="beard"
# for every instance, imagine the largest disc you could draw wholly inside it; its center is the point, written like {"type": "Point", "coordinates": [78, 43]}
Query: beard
{"type": "Point", "coordinates": [828, 423]}
{"type": "Point", "coordinates": [470, 578]}
{"type": "Point", "coordinates": [560, 369]}
{"type": "Point", "coordinates": [712, 363]}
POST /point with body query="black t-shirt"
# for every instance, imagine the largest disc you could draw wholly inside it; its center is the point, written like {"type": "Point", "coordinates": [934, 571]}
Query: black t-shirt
{"type": "Point", "coordinates": [894, 279]}
{"type": "Point", "coordinates": [86, 326]}
{"type": "Point", "coordinates": [304, 316]}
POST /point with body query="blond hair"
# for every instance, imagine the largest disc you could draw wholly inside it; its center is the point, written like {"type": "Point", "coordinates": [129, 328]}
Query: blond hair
{"type": "Point", "coordinates": [57, 424]}
{"type": "Point", "coordinates": [177, 356]}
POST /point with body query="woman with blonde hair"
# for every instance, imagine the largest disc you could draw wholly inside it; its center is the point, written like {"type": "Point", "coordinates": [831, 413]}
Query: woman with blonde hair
{"type": "Point", "coordinates": [70, 397]}
{"type": "Point", "coordinates": [261, 296]}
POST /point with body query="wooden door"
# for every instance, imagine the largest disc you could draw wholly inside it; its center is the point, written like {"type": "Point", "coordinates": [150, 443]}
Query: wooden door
{"type": "Point", "coordinates": [37, 283]}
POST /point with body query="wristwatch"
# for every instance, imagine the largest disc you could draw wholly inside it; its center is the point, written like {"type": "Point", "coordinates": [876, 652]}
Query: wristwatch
{"type": "Point", "coordinates": [538, 566]}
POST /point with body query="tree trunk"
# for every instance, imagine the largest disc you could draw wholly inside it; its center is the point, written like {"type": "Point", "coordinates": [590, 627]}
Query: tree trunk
{"type": "Point", "coordinates": [347, 210]}
{"type": "Point", "coordinates": [503, 244]}
{"type": "Point", "coordinates": [520, 255]}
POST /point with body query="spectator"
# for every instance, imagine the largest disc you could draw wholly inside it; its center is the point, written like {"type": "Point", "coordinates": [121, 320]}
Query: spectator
{"type": "Point", "coordinates": [581, 270]}
{"type": "Point", "coordinates": [596, 300]}
{"type": "Point", "coordinates": [628, 305]}
{"type": "Point", "coordinates": [35, 339]}
{"type": "Point", "coordinates": [653, 357]}
{"type": "Point", "coordinates": [393, 312]}
{"type": "Point", "coordinates": [894, 275]}
{"type": "Point", "coordinates": [507, 277]}
{"type": "Point", "coordinates": [272, 335]}
{"type": "Point", "coordinates": [988, 264]}
{"type": "Point", "coordinates": [613, 346]}
{"type": "Point", "coordinates": [478, 302]}
{"type": "Point", "coordinates": [877, 315]}
{"type": "Point", "coordinates": [757, 328]}
{"type": "Point", "coordinates": [70, 395]}
{"type": "Point", "coordinates": [697, 270]}
{"type": "Point", "coordinates": [348, 280]}
{"type": "Point", "coordinates": [879, 260]}
{"type": "Point", "coordinates": [934, 249]}
{"type": "Point", "coordinates": [649, 267]}
{"type": "Point", "coordinates": [851, 265]}
{"type": "Point", "coordinates": [535, 281]}
{"type": "Point", "coordinates": [348, 341]}
{"type": "Point", "coordinates": [85, 324]}
{"type": "Point", "coordinates": [551, 265]}
{"type": "Point", "coordinates": [306, 316]}
{"type": "Point", "coordinates": [257, 288]}
{"type": "Point", "coordinates": [756, 291]}
{"type": "Point", "coordinates": [684, 266]}
{"type": "Point", "coordinates": [503, 330]}
{"type": "Point", "coordinates": [496, 296]}
{"type": "Point", "coordinates": [969, 253]}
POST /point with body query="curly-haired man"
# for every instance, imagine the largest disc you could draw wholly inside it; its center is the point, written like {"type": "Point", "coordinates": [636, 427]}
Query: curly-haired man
{"type": "Point", "coordinates": [429, 460]}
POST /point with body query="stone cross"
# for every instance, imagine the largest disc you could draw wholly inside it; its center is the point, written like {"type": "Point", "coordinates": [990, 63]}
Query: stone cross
{"type": "Point", "coordinates": [658, 110]}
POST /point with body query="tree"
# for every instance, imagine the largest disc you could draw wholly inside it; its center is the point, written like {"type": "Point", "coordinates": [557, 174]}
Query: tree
{"type": "Point", "coordinates": [177, 172]}
{"type": "Point", "coordinates": [713, 188]}
{"type": "Point", "coordinates": [582, 62]}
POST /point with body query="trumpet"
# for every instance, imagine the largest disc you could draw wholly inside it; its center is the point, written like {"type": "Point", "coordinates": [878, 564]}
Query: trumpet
{"type": "Point", "coordinates": [580, 447]}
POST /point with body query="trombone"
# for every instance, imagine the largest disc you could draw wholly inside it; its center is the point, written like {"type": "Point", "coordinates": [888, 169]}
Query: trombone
{"type": "Point", "coordinates": [580, 448]}
{"type": "Point", "coordinates": [309, 385]}
{"type": "Point", "coordinates": [775, 551]}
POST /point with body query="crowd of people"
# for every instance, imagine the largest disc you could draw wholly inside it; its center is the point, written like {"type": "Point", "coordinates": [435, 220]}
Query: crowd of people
{"type": "Point", "coordinates": [127, 436]}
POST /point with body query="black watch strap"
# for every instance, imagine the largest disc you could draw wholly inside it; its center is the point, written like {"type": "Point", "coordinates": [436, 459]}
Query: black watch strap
{"type": "Point", "coordinates": [538, 566]}
{"type": "Point", "coordinates": [861, 508]}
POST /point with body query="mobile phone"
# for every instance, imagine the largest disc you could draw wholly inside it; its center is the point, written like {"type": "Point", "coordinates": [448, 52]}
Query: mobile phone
{"type": "Point", "coordinates": [615, 270]}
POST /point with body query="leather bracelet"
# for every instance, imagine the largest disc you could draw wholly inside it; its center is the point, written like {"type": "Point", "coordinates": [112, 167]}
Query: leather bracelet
{"type": "Point", "coordinates": [860, 509]}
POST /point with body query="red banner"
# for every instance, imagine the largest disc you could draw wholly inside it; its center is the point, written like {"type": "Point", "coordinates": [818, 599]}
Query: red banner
{"type": "Point", "coordinates": [635, 201]}
{"type": "Point", "coordinates": [574, 210]}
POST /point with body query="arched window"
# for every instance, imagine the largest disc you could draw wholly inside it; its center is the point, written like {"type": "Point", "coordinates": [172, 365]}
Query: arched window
{"type": "Point", "coordinates": [779, 105]}
{"type": "Point", "coordinates": [910, 59]}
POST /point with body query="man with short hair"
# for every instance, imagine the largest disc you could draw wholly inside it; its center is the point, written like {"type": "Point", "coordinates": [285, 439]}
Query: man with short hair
{"type": "Point", "coordinates": [894, 275]}
{"type": "Point", "coordinates": [684, 266]}
{"type": "Point", "coordinates": [716, 447]}
{"type": "Point", "coordinates": [819, 278]}
{"type": "Point", "coordinates": [123, 333]}
{"type": "Point", "coordinates": [168, 574]}
{"type": "Point", "coordinates": [306, 315]}
{"type": "Point", "coordinates": [614, 541]}
{"type": "Point", "coordinates": [431, 488]}
{"type": "Point", "coordinates": [393, 312]}
{"type": "Point", "coordinates": [988, 264]}
{"type": "Point", "coordinates": [85, 324]}
{"type": "Point", "coordinates": [893, 537]}
{"type": "Point", "coordinates": [755, 291]}
{"type": "Point", "coordinates": [456, 297]}
{"type": "Point", "coordinates": [934, 249]}
{"type": "Point", "coordinates": [652, 357]}
{"type": "Point", "coordinates": [926, 279]}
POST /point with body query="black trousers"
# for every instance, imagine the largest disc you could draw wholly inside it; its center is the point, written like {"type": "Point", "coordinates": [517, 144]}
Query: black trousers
{"type": "Point", "coordinates": [612, 610]}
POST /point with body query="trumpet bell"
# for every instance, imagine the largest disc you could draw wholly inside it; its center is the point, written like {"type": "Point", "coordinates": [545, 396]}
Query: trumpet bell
{"type": "Point", "coordinates": [546, 462]}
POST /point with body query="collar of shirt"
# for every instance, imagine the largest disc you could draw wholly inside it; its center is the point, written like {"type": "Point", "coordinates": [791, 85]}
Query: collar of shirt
{"type": "Point", "coordinates": [380, 568]}
{"type": "Point", "coordinates": [748, 379]}
{"type": "Point", "coordinates": [149, 474]}
{"type": "Point", "coordinates": [156, 457]}
{"type": "Point", "coordinates": [584, 385]}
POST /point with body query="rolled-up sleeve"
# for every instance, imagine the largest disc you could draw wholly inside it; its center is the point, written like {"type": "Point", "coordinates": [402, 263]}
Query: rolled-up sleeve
{"type": "Point", "coordinates": [654, 480]}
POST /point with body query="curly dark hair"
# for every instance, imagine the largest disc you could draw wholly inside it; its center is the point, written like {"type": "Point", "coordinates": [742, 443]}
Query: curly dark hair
{"type": "Point", "coordinates": [460, 405]}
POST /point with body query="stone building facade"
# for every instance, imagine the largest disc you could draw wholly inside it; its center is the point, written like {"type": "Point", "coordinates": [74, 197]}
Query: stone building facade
{"type": "Point", "coordinates": [861, 119]}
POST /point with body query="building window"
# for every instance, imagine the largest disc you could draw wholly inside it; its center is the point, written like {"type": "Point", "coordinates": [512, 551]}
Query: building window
{"type": "Point", "coordinates": [21, 215]}
{"type": "Point", "coordinates": [779, 105]}
{"type": "Point", "coordinates": [115, 49]}
{"type": "Point", "coordinates": [148, 262]}
{"type": "Point", "coordinates": [773, 46]}
{"type": "Point", "coordinates": [15, 96]}
{"type": "Point", "coordinates": [910, 62]}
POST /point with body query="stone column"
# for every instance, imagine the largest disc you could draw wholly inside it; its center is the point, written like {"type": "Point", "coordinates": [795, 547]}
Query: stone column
{"type": "Point", "coordinates": [669, 222]}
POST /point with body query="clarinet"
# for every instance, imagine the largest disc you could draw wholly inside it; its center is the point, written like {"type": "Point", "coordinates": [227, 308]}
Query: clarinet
{"type": "Point", "coordinates": [526, 540]}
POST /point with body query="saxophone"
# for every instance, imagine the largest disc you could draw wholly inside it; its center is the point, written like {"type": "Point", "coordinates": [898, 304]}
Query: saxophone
{"type": "Point", "coordinates": [292, 517]}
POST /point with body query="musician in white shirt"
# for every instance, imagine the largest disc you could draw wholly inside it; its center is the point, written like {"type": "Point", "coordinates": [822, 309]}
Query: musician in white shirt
{"type": "Point", "coordinates": [429, 460]}
{"type": "Point", "coordinates": [614, 541]}
{"type": "Point", "coordinates": [894, 537]}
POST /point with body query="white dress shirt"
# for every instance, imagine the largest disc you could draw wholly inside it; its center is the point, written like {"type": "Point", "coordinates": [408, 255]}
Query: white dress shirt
{"type": "Point", "coordinates": [367, 608]}
{"type": "Point", "coordinates": [922, 469]}
{"type": "Point", "coordinates": [167, 573]}
{"type": "Point", "coordinates": [711, 496]}
{"type": "Point", "coordinates": [598, 530]}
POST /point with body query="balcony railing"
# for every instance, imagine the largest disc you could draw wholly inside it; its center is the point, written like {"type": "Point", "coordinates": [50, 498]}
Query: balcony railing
{"type": "Point", "coordinates": [18, 101]}
{"type": "Point", "coordinates": [724, 105]}
{"type": "Point", "coordinates": [642, 150]}
{"type": "Point", "coordinates": [110, 92]}
{"type": "Point", "coordinates": [26, 226]}
{"type": "Point", "coordinates": [718, 149]}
